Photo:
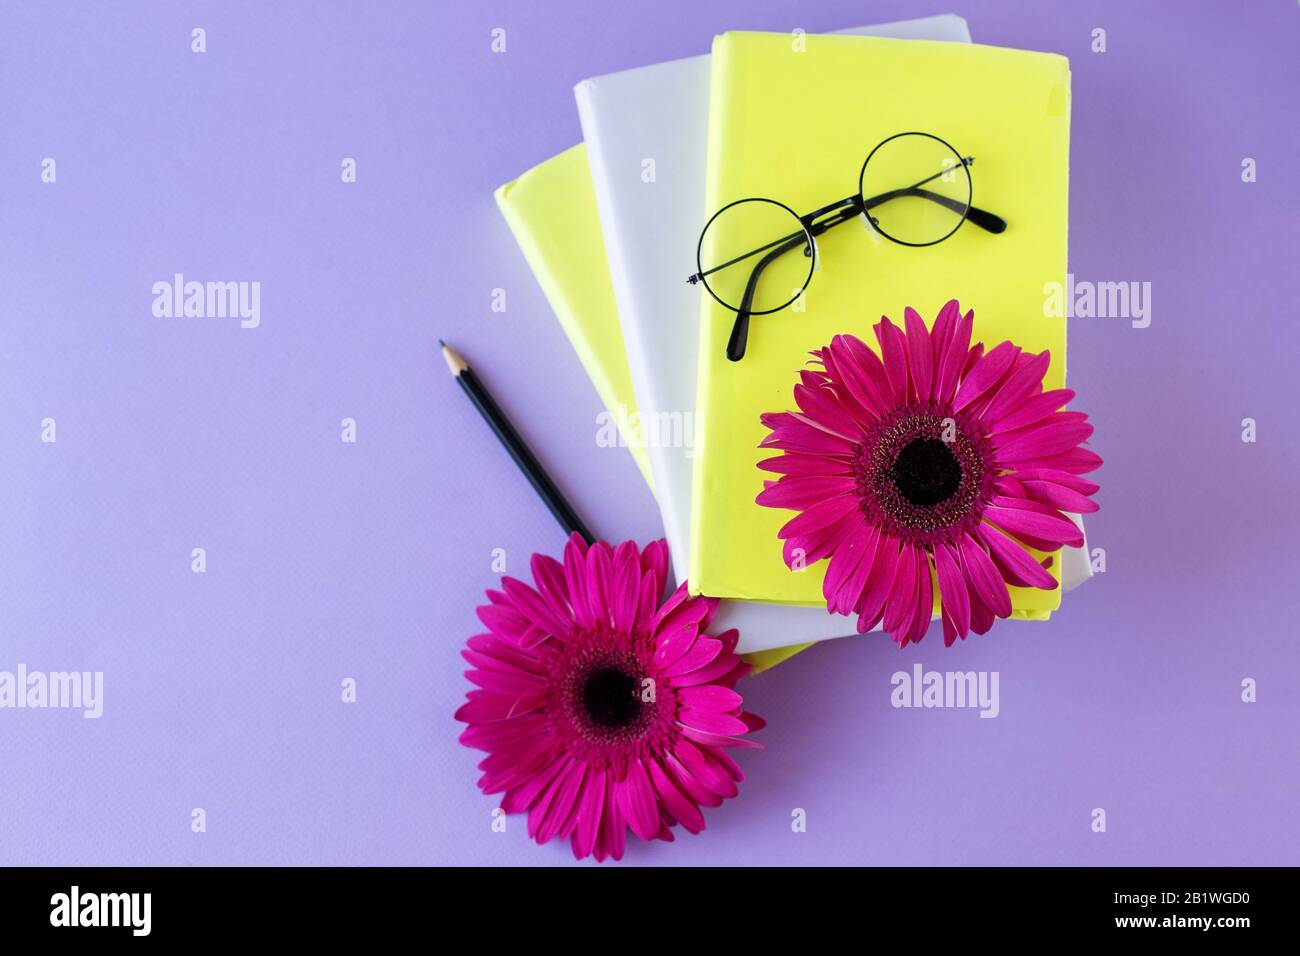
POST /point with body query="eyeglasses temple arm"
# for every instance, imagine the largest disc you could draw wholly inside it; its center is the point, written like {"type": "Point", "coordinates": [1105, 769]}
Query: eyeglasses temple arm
{"type": "Point", "coordinates": [980, 217]}
{"type": "Point", "coordinates": [741, 258]}
{"type": "Point", "coordinates": [740, 328]}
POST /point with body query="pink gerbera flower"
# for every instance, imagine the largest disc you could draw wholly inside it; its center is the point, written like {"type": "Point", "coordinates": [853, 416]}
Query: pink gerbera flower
{"type": "Point", "coordinates": [601, 708]}
{"type": "Point", "coordinates": [939, 465]}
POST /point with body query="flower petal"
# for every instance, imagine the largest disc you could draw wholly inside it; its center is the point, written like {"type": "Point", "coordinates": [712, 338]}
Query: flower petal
{"type": "Point", "coordinates": [499, 660]}
{"type": "Point", "coordinates": [1025, 382]}
{"type": "Point", "coordinates": [920, 355]}
{"type": "Point", "coordinates": [627, 587]}
{"type": "Point", "coordinates": [952, 587]}
{"type": "Point", "coordinates": [533, 606]}
{"type": "Point", "coordinates": [612, 838]}
{"type": "Point", "coordinates": [713, 672]}
{"type": "Point", "coordinates": [545, 807]}
{"type": "Point", "coordinates": [1057, 496]}
{"type": "Point", "coordinates": [1031, 410]}
{"type": "Point", "coordinates": [803, 550]}
{"type": "Point", "coordinates": [637, 799]}
{"type": "Point", "coordinates": [484, 706]}
{"type": "Point", "coordinates": [549, 576]}
{"type": "Point", "coordinates": [1057, 477]}
{"type": "Point", "coordinates": [955, 355]}
{"type": "Point", "coordinates": [562, 814]}
{"type": "Point", "coordinates": [711, 773]}
{"type": "Point", "coordinates": [575, 576]}
{"type": "Point", "coordinates": [683, 810]}
{"type": "Point", "coordinates": [519, 799]}
{"type": "Point", "coordinates": [893, 351]}
{"type": "Point", "coordinates": [1051, 439]}
{"type": "Point", "coordinates": [1076, 461]}
{"type": "Point", "coordinates": [793, 432]}
{"type": "Point", "coordinates": [515, 684]}
{"type": "Point", "coordinates": [924, 599]}
{"type": "Point", "coordinates": [691, 787]}
{"type": "Point", "coordinates": [799, 493]}
{"type": "Point", "coordinates": [821, 409]}
{"type": "Point", "coordinates": [984, 577]}
{"type": "Point", "coordinates": [848, 569]}
{"type": "Point", "coordinates": [880, 577]}
{"type": "Point", "coordinates": [504, 621]}
{"type": "Point", "coordinates": [704, 651]}
{"type": "Point", "coordinates": [818, 516]}
{"type": "Point", "coordinates": [1047, 527]}
{"type": "Point", "coordinates": [600, 581]}
{"type": "Point", "coordinates": [591, 802]}
{"type": "Point", "coordinates": [864, 373]}
{"type": "Point", "coordinates": [985, 374]}
{"type": "Point", "coordinates": [711, 721]}
{"type": "Point", "coordinates": [711, 697]}
{"type": "Point", "coordinates": [676, 632]}
{"type": "Point", "coordinates": [900, 606]}
{"type": "Point", "coordinates": [717, 740]}
{"type": "Point", "coordinates": [1015, 560]}
{"type": "Point", "coordinates": [857, 402]}
{"type": "Point", "coordinates": [981, 618]}
{"type": "Point", "coordinates": [654, 558]}
{"type": "Point", "coordinates": [502, 733]}
{"type": "Point", "coordinates": [799, 465]}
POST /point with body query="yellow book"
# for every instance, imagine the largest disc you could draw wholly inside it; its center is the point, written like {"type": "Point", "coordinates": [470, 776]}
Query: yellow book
{"type": "Point", "coordinates": [551, 210]}
{"type": "Point", "coordinates": [794, 122]}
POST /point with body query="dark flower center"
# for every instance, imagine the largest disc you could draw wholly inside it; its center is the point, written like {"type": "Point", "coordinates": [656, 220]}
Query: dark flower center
{"type": "Point", "coordinates": [610, 699]}
{"type": "Point", "coordinates": [602, 702]}
{"type": "Point", "coordinates": [926, 472]}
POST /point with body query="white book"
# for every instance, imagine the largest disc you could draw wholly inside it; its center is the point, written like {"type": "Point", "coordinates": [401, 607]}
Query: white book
{"type": "Point", "coordinates": [646, 132]}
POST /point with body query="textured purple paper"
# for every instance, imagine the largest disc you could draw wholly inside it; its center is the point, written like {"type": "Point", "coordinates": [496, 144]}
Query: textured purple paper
{"type": "Point", "coordinates": [329, 560]}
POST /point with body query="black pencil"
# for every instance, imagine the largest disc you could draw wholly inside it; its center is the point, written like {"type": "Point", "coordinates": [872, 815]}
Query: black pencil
{"type": "Point", "coordinates": [519, 450]}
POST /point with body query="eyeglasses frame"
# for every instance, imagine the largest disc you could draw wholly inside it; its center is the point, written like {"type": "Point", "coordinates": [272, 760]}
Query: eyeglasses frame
{"type": "Point", "coordinates": [840, 211]}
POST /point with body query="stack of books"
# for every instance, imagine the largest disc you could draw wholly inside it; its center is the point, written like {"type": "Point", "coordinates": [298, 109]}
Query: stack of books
{"type": "Point", "coordinates": [610, 229]}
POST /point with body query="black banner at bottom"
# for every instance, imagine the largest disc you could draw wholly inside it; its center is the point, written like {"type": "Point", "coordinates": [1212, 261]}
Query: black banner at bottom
{"type": "Point", "coordinates": [93, 905]}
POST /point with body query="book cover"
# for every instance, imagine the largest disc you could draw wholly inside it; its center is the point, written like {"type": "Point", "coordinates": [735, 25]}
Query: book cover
{"type": "Point", "coordinates": [552, 213]}
{"type": "Point", "coordinates": [794, 125]}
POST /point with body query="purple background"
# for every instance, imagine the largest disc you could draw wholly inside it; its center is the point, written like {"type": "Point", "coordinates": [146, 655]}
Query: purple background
{"type": "Point", "coordinates": [328, 560]}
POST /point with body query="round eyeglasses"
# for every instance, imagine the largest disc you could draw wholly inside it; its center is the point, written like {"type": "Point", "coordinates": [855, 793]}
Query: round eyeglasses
{"type": "Point", "coordinates": [914, 189]}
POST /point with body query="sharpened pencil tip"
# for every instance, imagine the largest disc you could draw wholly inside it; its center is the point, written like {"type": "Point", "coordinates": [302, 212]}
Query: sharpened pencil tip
{"type": "Point", "coordinates": [455, 362]}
